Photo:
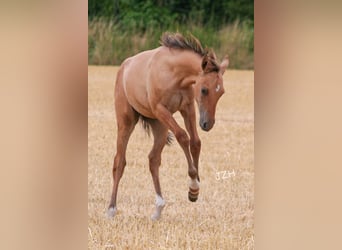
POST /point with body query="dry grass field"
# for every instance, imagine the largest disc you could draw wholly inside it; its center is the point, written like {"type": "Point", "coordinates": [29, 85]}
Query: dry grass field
{"type": "Point", "coordinates": [222, 217]}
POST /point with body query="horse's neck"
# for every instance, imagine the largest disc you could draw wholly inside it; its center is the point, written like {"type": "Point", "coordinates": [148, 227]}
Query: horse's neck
{"type": "Point", "coordinates": [187, 67]}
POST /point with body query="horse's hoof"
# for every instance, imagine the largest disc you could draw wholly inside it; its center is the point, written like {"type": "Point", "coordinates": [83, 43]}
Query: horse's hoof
{"type": "Point", "coordinates": [111, 212]}
{"type": "Point", "coordinates": [157, 213]}
{"type": "Point", "coordinates": [192, 197]}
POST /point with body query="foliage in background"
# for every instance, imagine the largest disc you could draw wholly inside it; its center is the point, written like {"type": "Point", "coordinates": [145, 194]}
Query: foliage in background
{"type": "Point", "coordinates": [118, 29]}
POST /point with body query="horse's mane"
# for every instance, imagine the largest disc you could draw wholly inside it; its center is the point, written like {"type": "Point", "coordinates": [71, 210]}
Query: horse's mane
{"type": "Point", "coordinates": [178, 41]}
{"type": "Point", "coordinates": [190, 42]}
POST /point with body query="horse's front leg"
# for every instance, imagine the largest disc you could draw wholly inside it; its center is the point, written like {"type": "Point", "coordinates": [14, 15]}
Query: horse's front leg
{"type": "Point", "coordinates": [164, 116]}
{"type": "Point", "coordinates": [189, 116]}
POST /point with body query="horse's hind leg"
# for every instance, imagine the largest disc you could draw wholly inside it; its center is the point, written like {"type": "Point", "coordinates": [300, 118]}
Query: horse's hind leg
{"type": "Point", "coordinates": [127, 118]}
{"type": "Point", "coordinates": [160, 133]}
{"type": "Point", "coordinates": [125, 127]}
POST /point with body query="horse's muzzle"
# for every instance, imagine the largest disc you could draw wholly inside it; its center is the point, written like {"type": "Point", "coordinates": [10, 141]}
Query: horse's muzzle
{"type": "Point", "coordinates": [205, 122]}
{"type": "Point", "coordinates": [204, 126]}
{"type": "Point", "coordinates": [207, 125]}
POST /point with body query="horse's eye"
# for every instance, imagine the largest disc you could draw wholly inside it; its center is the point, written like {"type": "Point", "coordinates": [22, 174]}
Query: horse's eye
{"type": "Point", "coordinates": [204, 91]}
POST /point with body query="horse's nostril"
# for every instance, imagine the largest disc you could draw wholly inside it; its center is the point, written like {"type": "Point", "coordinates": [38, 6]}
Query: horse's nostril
{"type": "Point", "coordinates": [205, 126]}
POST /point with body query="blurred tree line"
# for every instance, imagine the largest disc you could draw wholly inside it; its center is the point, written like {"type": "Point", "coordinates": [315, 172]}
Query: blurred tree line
{"type": "Point", "coordinates": [140, 14]}
{"type": "Point", "coordinates": [118, 29]}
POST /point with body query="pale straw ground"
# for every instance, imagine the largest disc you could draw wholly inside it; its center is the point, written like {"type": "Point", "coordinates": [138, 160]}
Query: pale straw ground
{"type": "Point", "coordinates": [222, 218]}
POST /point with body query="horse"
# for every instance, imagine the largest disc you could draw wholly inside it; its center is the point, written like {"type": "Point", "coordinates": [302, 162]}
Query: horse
{"type": "Point", "coordinates": [154, 84]}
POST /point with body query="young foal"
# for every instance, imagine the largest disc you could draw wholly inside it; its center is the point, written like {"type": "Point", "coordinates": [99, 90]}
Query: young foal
{"type": "Point", "coordinates": [153, 85]}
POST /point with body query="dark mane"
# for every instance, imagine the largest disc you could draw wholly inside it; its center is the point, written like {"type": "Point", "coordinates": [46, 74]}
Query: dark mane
{"type": "Point", "coordinates": [178, 41]}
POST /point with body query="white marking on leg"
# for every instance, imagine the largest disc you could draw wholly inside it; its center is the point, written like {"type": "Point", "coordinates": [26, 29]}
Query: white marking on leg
{"type": "Point", "coordinates": [160, 203]}
{"type": "Point", "coordinates": [111, 212]}
{"type": "Point", "coordinates": [194, 184]}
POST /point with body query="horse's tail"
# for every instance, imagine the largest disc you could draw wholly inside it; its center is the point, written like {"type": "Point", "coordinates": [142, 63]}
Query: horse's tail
{"type": "Point", "coordinates": [146, 124]}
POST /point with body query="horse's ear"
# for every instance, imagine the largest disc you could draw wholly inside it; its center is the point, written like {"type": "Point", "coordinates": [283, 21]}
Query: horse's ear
{"type": "Point", "coordinates": [224, 65]}
{"type": "Point", "coordinates": [211, 54]}
{"type": "Point", "coordinates": [209, 62]}
{"type": "Point", "coordinates": [204, 62]}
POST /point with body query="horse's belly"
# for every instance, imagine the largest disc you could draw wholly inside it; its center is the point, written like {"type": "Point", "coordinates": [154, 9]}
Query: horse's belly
{"type": "Point", "coordinates": [139, 106]}
{"type": "Point", "coordinates": [137, 98]}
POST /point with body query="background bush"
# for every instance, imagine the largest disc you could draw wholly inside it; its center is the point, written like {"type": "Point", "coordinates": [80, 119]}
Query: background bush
{"type": "Point", "coordinates": [121, 28]}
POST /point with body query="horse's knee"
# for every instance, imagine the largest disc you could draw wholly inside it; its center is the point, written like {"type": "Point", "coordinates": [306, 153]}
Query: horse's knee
{"type": "Point", "coordinates": [183, 138]}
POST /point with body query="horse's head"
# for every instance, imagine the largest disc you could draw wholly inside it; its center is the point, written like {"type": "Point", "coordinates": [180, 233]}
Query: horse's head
{"type": "Point", "coordinates": [209, 88]}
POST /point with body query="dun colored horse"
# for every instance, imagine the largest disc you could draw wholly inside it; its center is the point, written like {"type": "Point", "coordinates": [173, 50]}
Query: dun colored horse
{"type": "Point", "coordinates": [153, 85]}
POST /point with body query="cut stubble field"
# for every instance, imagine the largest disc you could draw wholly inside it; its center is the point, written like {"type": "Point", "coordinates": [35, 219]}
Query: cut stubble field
{"type": "Point", "coordinates": [222, 217]}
